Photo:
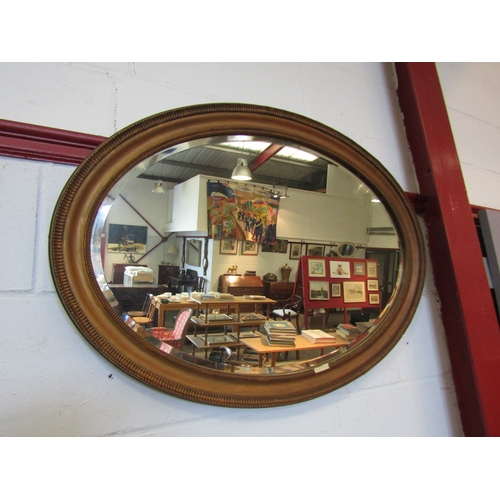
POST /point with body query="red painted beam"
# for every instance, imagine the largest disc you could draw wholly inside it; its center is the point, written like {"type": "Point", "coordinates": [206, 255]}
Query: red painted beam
{"type": "Point", "coordinates": [268, 153]}
{"type": "Point", "coordinates": [23, 140]}
{"type": "Point", "coordinates": [468, 311]}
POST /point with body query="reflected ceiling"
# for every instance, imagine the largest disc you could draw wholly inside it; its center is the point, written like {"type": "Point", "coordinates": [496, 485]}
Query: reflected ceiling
{"type": "Point", "coordinates": [270, 163]}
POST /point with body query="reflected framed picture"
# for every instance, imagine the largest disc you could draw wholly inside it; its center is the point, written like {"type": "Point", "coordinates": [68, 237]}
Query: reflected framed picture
{"type": "Point", "coordinates": [123, 238]}
{"type": "Point", "coordinates": [229, 247]}
{"type": "Point", "coordinates": [315, 250]}
{"type": "Point", "coordinates": [371, 270]}
{"type": "Point", "coordinates": [336, 290]}
{"type": "Point", "coordinates": [340, 269]}
{"type": "Point", "coordinates": [372, 285]}
{"type": "Point", "coordinates": [318, 290]}
{"type": "Point", "coordinates": [354, 291]}
{"type": "Point", "coordinates": [249, 248]}
{"type": "Point", "coordinates": [282, 246]}
{"type": "Point", "coordinates": [316, 268]}
{"type": "Point", "coordinates": [374, 298]}
{"type": "Point", "coordinates": [359, 268]}
{"type": "Point", "coordinates": [295, 251]}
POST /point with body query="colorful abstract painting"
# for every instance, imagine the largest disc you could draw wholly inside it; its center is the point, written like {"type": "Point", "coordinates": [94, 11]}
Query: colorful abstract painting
{"type": "Point", "coordinates": [241, 212]}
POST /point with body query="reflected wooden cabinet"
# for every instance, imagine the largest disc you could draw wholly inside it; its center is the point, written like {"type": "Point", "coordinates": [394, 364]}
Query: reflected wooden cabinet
{"type": "Point", "coordinates": [241, 285]}
{"type": "Point", "coordinates": [280, 291]}
{"type": "Point", "coordinates": [166, 273]}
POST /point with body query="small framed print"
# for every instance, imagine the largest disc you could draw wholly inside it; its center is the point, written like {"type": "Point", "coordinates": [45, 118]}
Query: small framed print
{"type": "Point", "coordinates": [359, 268]}
{"type": "Point", "coordinates": [372, 285]}
{"type": "Point", "coordinates": [315, 250]}
{"type": "Point", "coordinates": [371, 270]}
{"type": "Point", "coordinates": [340, 269]}
{"type": "Point", "coordinates": [295, 251]}
{"type": "Point", "coordinates": [249, 248]}
{"type": "Point", "coordinates": [374, 298]}
{"type": "Point", "coordinates": [316, 268]}
{"type": "Point", "coordinates": [354, 291]}
{"type": "Point", "coordinates": [270, 247]}
{"type": "Point", "coordinates": [336, 290]}
{"type": "Point", "coordinates": [318, 290]}
{"type": "Point", "coordinates": [282, 246]}
{"type": "Point", "coordinates": [229, 247]}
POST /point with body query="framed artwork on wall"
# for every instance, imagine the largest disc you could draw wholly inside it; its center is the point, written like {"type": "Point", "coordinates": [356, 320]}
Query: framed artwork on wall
{"type": "Point", "coordinates": [315, 250]}
{"type": "Point", "coordinates": [372, 285]}
{"type": "Point", "coordinates": [316, 268]}
{"type": "Point", "coordinates": [354, 291]}
{"type": "Point", "coordinates": [371, 270]}
{"type": "Point", "coordinates": [359, 269]}
{"type": "Point", "coordinates": [282, 246]}
{"type": "Point", "coordinates": [295, 251]}
{"type": "Point", "coordinates": [318, 290]}
{"type": "Point", "coordinates": [336, 290]}
{"type": "Point", "coordinates": [340, 269]}
{"type": "Point", "coordinates": [249, 248]}
{"type": "Point", "coordinates": [123, 238]}
{"type": "Point", "coordinates": [374, 298]}
{"type": "Point", "coordinates": [229, 247]}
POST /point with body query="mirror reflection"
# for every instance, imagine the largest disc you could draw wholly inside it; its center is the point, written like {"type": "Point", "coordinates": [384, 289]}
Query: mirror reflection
{"type": "Point", "coordinates": [275, 273]}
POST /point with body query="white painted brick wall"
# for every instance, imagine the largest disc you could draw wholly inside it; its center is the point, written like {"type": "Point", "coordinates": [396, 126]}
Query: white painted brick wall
{"type": "Point", "coordinates": [52, 382]}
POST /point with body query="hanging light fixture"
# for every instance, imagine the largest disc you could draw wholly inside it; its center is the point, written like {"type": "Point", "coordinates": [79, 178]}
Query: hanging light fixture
{"type": "Point", "coordinates": [286, 194]}
{"type": "Point", "coordinates": [158, 189]}
{"type": "Point", "coordinates": [241, 172]}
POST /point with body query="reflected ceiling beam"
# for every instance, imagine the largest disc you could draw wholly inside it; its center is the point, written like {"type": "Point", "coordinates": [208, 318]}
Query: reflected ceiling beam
{"type": "Point", "coordinates": [266, 155]}
{"type": "Point", "coordinates": [191, 170]}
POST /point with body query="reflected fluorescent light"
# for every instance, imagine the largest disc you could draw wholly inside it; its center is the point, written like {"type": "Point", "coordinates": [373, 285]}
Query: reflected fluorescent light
{"type": "Point", "coordinates": [158, 189]}
{"type": "Point", "coordinates": [375, 200]}
{"type": "Point", "coordinates": [296, 154]}
{"type": "Point", "coordinates": [241, 172]}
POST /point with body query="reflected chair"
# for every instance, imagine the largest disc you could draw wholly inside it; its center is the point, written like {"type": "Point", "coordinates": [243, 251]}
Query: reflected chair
{"type": "Point", "coordinates": [226, 356]}
{"type": "Point", "coordinates": [147, 320]}
{"type": "Point", "coordinates": [220, 354]}
{"type": "Point", "coordinates": [291, 310]}
{"type": "Point", "coordinates": [177, 336]}
{"type": "Point", "coordinates": [144, 310]}
{"type": "Point", "coordinates": [201, 284]}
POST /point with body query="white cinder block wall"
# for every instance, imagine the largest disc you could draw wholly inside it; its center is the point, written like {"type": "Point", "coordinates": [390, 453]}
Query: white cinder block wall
{"type": "Point", "coordinates": [53, 383]}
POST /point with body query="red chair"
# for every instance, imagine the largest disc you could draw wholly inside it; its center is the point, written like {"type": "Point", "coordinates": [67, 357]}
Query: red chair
{"type": "Point", "coordinates": [177, 336]}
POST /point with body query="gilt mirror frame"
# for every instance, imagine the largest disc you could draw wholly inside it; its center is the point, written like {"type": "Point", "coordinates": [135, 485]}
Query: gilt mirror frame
{"type": "Point", "coordinates": [89, 309]}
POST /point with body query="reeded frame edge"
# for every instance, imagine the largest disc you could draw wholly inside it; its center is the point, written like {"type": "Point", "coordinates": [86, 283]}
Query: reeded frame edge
{"type": "Point", "coordinates": [86, 305]}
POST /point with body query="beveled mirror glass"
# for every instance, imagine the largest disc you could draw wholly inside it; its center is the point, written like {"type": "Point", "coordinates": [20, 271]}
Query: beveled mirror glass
{"type": "Point", "coordinates": [156, 143]}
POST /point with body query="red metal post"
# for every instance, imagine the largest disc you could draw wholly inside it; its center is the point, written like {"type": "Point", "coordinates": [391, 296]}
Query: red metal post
{"type": "Point", "coordinates": [468, 311]}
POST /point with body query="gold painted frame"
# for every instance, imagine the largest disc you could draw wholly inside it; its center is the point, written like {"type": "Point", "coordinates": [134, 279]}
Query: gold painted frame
{"type": "Point", "coordinates": [91, 312]}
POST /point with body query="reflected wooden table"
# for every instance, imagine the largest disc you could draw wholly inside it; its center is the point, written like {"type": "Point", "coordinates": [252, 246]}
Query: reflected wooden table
{"type": "Point", "coordinates": [228, 315]}
{"type": "Point", "coordinates": [260, 345]}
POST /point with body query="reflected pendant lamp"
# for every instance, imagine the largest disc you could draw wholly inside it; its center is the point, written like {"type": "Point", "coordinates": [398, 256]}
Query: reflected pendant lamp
{"type": "Point", "coordinates": [241, 172]}
{"type": "Point", "coordinates": [158, 189]}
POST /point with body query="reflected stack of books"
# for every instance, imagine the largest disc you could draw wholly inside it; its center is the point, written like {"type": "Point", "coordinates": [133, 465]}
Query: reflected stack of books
{"type": "Point", "coordinates": [318, 336]}
{"type": "Point", "coordinates": [280, 333]}
{"type": "Point", "coordinates": [348, 331]}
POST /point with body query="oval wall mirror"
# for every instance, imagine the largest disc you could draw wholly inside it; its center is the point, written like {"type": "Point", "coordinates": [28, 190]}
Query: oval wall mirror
{"type": "Point", "coordinates": [318, 174]}
{"type": "Point", "coordinates": [346, 249]}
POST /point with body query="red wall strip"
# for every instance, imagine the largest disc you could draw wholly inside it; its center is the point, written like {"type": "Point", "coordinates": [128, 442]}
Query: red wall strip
{"type": "Point", "coordinates": [468, 310]}
{"type": "Point", "coordinates": [22, 140]}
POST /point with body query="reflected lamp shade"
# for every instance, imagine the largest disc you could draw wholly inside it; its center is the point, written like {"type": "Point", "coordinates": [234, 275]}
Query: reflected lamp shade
{"type": "Point", "coordinates": [158, 189]}
{"type": "Point", "coordinates": [172, 249]}
{"type": "Point", "coordinates": [241, 172]}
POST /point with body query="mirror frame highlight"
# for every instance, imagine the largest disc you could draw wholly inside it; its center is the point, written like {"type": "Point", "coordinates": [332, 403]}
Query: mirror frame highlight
{"type": "Point", "coordinates": [80, 291]}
